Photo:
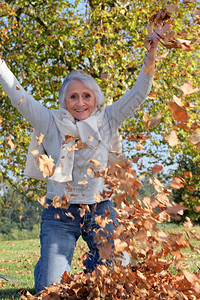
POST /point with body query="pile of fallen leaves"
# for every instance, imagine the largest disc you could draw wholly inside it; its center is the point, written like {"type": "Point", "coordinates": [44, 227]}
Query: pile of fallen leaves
{"type": "Point", "coordinates": [150, 252]}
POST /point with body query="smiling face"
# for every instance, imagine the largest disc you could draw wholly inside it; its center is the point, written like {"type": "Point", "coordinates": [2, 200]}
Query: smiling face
{"type": "Point", "coordinates": [80, 100]}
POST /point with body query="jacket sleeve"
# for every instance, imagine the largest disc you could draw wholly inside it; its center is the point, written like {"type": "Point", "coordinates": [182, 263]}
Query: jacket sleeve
{"type": "Point", "coordinates": [123, 108]}
{"type": "Point", "coordinates": [38, 116]}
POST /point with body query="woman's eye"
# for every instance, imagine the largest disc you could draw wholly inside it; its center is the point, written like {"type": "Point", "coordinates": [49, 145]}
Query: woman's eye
{"type": "Point", "coordinates": [73, 96]}
{"type": "Point", "coordinates": [87, 96]}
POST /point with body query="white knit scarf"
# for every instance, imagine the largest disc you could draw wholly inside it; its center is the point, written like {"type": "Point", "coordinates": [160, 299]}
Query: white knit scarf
{"type": "Point", "coordinates": [83, 130]}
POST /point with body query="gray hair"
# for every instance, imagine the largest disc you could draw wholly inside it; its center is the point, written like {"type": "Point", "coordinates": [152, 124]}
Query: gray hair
{"type": "Point", "coordinates": [88, 81]}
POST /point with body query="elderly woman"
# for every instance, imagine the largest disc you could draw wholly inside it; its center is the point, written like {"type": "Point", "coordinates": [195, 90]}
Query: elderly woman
{"type": "Point", "coordinates": [79, 117]}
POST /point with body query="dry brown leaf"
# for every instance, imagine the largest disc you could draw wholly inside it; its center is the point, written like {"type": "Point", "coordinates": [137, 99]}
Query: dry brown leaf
{"type": "Point", "coordinates": [40, 139]}
{"type": "Point", "coordinates": [178, 101]}
{"type": "Point", "coordinates": [179, 113]}
{"type": "Point", "coordinates": [177, 182]}
{"type": "Point", "coordinates": [120, 246]}
{"type": "Point", "coordinates": [156, 120]}
{"type": "Point", "coordinates": [83, 182]}
{"type": "Point", "coordinates": [187, 89]}
{"type": "Point", "coordinates": [188, 223]}
{"type": "Point", "coordinates": [95, 162]}
{"type": "Point", "coordinates": [21, 101]}
{"type": "Point", "coordinates": [172, 139]}
{"type": "Point", "coordinates": [17, 88]}
{"type": "Point", "coordinates": [156, 169]}
{"type": "Point", "coordinates": [34, 152]}
{"type": "Point", "coordinates": [195, 138]}
{"type": "Point", "coordinates": [46, 165]}
{"type": "Point", "coordinates": [10, 143]}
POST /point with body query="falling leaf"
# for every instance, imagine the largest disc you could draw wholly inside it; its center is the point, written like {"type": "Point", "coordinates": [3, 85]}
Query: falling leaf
{"type": "Point", "coordinates": [156, 169]}
{"type": "Point", "coordinates": [10, 143]}
{"type": "Point", "coordinates": [46, 165]}
{"type": "Point", "coordinates": [172, 139]}
{"type": "Point", "coordinates": [179, 113]}
{"type": "Point", "coordinates": [83, 182]}
{"type": "Point", "coordinates": [139, 147]}
{"type": "Point", "coordinates": [188, 223]}
{"type": "Point", "coordinates": [40, 139]}
{"type": "Point", "coordinates": [95, 162]}
{"type": "Point", "coordinates": [178, 101]}
{"type": "Point", "coordinates": [195, 138]}
{"type": "Point", "coordinates": [21, 101]}
{"type": "Point", "coordinates": [177, 182]}
{"type": "Point", "coordinates": [120, 246]}
{"type": "Point", "coordinates": [34, 152]}
{"type": "Point", "coordinates": [161, 16]}
{"type": "Point", "coordinates": [187, 89]}
{"type": "Point", "coordinates": [69, 214]}
{"type": "Point", "coordinates": [156, 120]}
{"type": "Point", "coordinates": [162, 56]}
{"type": "Point", "coordinates": [68, 138]}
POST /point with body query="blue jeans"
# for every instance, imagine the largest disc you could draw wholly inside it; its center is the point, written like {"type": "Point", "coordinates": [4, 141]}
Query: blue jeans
{"type": "Point", "coordinates": [59, 236]}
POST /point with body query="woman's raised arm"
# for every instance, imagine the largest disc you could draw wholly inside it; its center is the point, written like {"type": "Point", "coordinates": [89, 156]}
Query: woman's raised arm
{"type": "Point", "coordinates": [38, 116]}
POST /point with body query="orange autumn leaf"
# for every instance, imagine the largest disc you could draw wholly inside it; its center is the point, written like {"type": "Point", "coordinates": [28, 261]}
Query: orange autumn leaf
{"type": "Point", "coordinates": [46, 165]}
{"type": "Point", "coordinates": [179, 113]}
{"type": "Point", "coordinates": [187, 89]}
{"type": "Point", "coordinates": [40, 139]}
{"type": "Point", "coordinates": [156, 169]}
{"type": "Point", "coordinates": [195, 138]}
{"type": "Point", "coordinates": [177, 182]}
{"type": "Point", "coordinates": [95, 162]}
{"type": "Point", "coordinates": [172, 139]}
{"type": "Point", "coordinates": [10, 143]}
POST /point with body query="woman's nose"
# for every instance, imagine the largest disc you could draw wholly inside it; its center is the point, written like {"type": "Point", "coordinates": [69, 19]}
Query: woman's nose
{"type": "Point", "coordinates": [80, 101]}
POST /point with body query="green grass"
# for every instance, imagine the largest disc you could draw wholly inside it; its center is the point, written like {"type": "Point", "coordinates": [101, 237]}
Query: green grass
{"type": "Point", "coordinates": [18, 259]}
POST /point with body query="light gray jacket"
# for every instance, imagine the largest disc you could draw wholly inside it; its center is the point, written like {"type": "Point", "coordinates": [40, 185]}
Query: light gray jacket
{"type": "Point", "coordinates": [42, 120]}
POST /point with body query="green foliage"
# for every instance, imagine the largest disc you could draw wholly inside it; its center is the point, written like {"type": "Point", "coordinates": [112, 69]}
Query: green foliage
{"type": "Point", "coordinates": [189, 195]}
{"type": "Point", "coordinates": [43, 41]}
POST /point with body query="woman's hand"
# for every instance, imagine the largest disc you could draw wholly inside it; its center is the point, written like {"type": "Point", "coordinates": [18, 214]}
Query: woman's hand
{"type": "Point", "coordinates": [151, 43]}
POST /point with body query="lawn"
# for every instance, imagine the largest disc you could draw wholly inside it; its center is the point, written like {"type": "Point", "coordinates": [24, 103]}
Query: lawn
{"type": "Point", "coordinates": [18, 258]}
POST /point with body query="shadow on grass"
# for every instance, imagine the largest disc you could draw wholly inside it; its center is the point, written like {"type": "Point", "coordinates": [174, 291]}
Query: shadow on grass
{"type": "Point", "coordinates": [7, 294]}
